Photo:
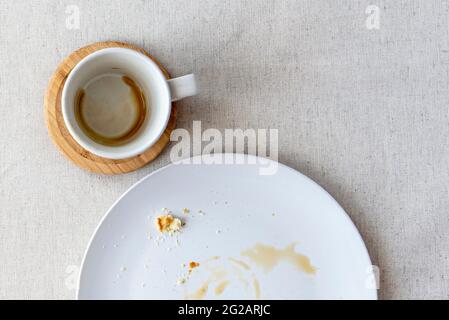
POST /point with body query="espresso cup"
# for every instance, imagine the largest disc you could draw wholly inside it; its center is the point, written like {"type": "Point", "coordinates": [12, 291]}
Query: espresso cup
{"type": "Point", "coordinates": [157, 90]}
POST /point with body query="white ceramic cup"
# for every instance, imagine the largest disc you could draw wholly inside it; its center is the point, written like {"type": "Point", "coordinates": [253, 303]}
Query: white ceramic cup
{"type": "Point", "coordinates": [159, 93]}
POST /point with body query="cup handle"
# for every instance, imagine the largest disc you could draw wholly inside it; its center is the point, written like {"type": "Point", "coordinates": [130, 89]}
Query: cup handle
{"type": "Point", "coordinates": [182, 87]}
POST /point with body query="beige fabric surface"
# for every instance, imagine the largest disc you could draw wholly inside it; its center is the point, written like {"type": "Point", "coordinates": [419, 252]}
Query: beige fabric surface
{"type": "Point", "coordinates": [362, 112]}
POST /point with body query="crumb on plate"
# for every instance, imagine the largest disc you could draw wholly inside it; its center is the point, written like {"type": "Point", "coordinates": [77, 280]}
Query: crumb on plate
{"type": "Point", "coordinates": [167, 223]}
{"type": "Point", "coordinates": [193, 265]}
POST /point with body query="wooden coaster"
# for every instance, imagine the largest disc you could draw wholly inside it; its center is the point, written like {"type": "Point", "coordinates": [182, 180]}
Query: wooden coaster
{"type": "Point", "coordinates": [68, 146]}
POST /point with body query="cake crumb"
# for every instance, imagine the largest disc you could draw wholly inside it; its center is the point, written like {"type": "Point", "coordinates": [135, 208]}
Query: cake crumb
{"type": "Point", "coordinates": [193, 265]}
{"type": "Point", "coordinates": [168, 224]}
{"type": "Point", "coordinates": [186, 210]}
{"type": "Point", "coordinates": [181, 281]}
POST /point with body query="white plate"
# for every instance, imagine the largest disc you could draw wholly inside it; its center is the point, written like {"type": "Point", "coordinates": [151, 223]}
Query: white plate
{"type": "Point", "coordinates": [127, 260]}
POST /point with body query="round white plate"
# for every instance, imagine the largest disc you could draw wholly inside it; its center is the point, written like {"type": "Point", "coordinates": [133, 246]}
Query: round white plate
{"type": "Point", "coordinates": [233, 209]}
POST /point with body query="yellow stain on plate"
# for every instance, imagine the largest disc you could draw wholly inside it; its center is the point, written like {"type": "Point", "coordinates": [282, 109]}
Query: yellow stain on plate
{"type": "Point", "coordinates": [267, 257]}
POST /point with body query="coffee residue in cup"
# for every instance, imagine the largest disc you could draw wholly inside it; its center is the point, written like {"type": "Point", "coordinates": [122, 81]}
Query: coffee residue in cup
{"type": "Point", "coordinates": [111, 109]}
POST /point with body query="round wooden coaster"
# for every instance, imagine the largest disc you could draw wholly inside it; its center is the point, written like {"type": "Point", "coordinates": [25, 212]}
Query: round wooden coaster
{"type": "Point", "coordinates": [68, 146]}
